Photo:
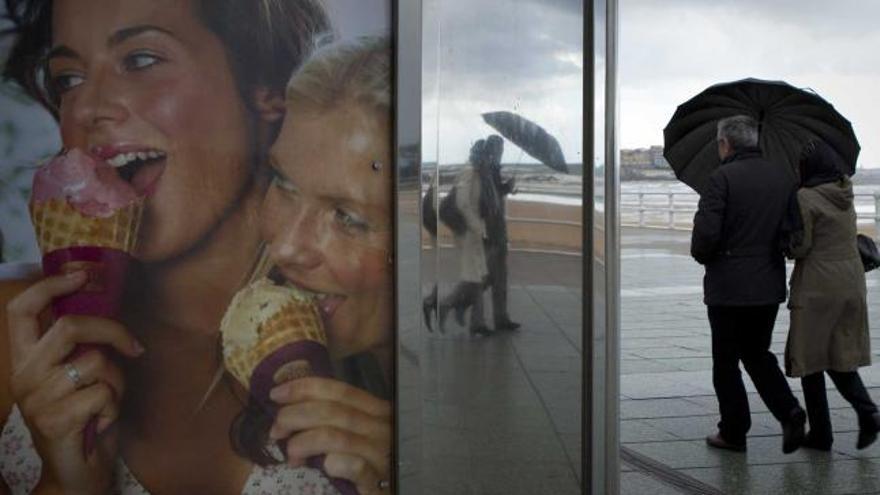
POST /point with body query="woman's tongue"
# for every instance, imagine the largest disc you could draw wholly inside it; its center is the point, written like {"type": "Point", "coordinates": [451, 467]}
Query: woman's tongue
{"type": "Point", "coordinates": [147, 177]}
{"type": "Point", "coordinates": [328, 306]}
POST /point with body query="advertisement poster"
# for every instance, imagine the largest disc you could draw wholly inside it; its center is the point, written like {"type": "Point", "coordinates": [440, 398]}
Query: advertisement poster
{"type": "Point", "coordinates": [196, 241]}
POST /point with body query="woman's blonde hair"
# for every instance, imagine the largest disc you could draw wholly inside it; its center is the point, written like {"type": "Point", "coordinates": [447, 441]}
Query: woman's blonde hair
{"type": "Point", "coordinates": [336, 74]}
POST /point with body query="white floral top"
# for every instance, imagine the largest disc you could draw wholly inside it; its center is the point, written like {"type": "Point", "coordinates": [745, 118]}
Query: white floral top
{"type": "Point", "coordinates": [20, 466]}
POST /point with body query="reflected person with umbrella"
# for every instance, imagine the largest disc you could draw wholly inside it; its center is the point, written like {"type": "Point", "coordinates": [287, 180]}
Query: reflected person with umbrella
{"type": "Point", "coordinates": [495, 209]}
{"type": "Point", "coordinates": [737, 237]}
{"type": "Point", "coordinates": [539, 144]}
{"type": "Point", "coordinates": [471, 185]}
{"type": "Point", "coordinates": [493, 192]}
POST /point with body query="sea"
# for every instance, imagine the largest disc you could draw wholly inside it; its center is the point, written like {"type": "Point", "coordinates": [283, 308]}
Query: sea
{"type": "Point", "coordinates": [653, 198]}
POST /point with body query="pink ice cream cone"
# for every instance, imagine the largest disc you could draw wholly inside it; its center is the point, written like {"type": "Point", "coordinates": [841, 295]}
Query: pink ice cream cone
{"type": "Point", "coordinates": [86, 219]}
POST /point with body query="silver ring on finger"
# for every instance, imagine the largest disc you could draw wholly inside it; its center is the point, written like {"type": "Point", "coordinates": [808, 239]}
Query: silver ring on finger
{"type": "Point", "coordinates": [383, 484]}
{"type": "Point", "coordinates": [73, 375]}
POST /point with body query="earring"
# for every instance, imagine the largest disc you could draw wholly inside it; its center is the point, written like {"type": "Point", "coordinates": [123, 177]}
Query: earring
{"type": "Point", "coordinates": [390, 259]}
{"type": "Point", "coordinates": [377, 166]}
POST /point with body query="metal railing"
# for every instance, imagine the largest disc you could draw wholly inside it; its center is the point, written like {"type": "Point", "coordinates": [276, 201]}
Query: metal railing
{"type": "Point", "coordinates": [658, 209]}
{"type": "Point", "coordinates": [543, 221]}
{"type": "Point", "coordinates": [675, 210]}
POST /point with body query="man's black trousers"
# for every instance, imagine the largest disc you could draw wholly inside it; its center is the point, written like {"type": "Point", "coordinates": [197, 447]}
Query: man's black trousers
{"type": "Point", "coordinates": [743, 333]}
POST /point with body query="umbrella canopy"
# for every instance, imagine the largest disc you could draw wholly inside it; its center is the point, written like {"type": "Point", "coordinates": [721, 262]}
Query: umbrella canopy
{"type": "Point", "coordinates": [529, 136]}
{"type": "Point", "coordinates": [787, 116]}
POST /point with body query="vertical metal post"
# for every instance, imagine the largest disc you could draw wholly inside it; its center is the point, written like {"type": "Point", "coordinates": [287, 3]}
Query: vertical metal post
{"type": "Point", "coordinates": [670, 202]}
{"type": "Point", "coordinates": [589, 464]}
{"type": "Point", "coordinates": [408, 452]}
{"type": "Point", "coordinates": [612, 256]}
{"type": "Point", "coordinates": [601, 223]}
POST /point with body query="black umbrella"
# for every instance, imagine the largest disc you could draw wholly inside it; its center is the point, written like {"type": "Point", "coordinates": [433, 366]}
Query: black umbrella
{"type": "Point", "coordinates": [529, 136]}
{"type": "Point", "coordinates": [788, 117]}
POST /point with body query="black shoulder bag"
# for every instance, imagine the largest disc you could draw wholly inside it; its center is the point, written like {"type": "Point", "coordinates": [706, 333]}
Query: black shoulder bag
{"type": "Point", "coordinates": [450, 215]}
{"type": "Point", "coordinates": [868, 252]}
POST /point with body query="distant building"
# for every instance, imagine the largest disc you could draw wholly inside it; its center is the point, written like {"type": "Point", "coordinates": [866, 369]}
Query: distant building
{"type": "Point", "coordinates": [644, 164]}
{"type": "Point", "coordinates": [643, 157]}
{"type": "Point", "coordinates": [657, 160]}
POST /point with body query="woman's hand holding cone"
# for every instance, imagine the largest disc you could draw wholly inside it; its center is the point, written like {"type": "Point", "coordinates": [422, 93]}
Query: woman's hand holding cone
{"type": "Point", "coordinates": [57, 398]}
{"type": "Point", "coordinates": [326, 416]}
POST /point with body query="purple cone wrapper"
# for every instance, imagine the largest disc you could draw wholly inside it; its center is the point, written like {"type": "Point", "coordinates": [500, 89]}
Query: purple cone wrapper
{"type": "Point", "coordinates": [100, 296]}
{"type": "Point", "coordinates": [295, 360]}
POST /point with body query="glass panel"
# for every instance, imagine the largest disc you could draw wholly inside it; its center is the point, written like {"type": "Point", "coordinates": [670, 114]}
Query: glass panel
{"type": "Point", "coordinates": [501, 369]}
{"type": "Point", "coordinates": [218, 175]}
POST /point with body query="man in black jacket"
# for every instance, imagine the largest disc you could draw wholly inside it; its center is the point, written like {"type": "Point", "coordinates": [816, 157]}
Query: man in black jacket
{"type": "Point", "coordinates": [496, 233]}
{"type": "Point", "coordinates": [736, 235]}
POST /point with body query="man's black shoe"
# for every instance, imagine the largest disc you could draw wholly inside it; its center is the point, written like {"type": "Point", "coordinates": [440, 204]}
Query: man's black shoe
{"type": "Point", "coordinates": [717, 441]}
{"type": "Point", "coordinates": [793, 431]}
{"type": "Point", "coordinates": [868, 431]}
{"type": "Point", "coordinates": [506, 325]}
{"type": "Point", "coordinates": [817, 442]}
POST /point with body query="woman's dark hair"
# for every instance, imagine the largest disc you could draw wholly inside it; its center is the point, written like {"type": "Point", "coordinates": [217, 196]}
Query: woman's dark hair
{"type": "Point", "coordinates": [264, 40]}
{"type": "Point", "coordinates": [249, 434]}
{"type": "Point", "coordinates": [819, 164]}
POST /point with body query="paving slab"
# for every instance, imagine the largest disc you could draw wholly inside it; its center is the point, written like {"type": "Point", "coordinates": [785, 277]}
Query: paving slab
{"type": "Point", "coordinates": [503, 414]}
{"type": "Point", "coordinates": [668, 404]}
{"type": "Point", "coordinates": [842, 476]}
{"type": "Point", "coordinates": [636, 483]}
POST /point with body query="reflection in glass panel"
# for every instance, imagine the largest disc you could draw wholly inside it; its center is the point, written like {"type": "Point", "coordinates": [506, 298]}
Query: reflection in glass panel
{"type": "Point", "coordinates": [502, 264]}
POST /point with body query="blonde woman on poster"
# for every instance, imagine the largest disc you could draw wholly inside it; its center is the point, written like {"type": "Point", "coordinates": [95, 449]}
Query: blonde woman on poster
{"type": "Point", "coordinates": [188, 96]}
{"type": "Point", "coordinates": [327, 221]}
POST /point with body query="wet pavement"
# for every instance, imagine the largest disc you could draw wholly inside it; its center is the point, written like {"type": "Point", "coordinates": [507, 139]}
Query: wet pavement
{"type": "Point", "coordinates": [501, 414]}
{"type": "Point", "coordinates": [668, 405]}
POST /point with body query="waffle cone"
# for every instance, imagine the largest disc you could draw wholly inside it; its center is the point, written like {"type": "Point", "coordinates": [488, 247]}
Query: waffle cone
{"type": "Point", "coordinates": [296, 321]}
{"type": "Point", "coordinates": [59, 225]}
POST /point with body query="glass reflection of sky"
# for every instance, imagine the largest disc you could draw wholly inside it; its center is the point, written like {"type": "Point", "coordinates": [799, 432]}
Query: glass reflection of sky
{"type": "Point", "coordinates": [485, 56]}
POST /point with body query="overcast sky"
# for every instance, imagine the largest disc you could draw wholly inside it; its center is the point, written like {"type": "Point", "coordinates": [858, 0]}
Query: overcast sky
{"type": "Point", "coordinates": [672, 50]}
{"type": "Point", "coordinates": [488, 55]}
{"type": "Point", "coordinates": [525, 55]}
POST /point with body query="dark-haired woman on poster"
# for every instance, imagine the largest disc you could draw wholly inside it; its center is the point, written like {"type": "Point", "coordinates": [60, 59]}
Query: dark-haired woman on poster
{"type": "Point", "coordinates": [829, 313]}
{"type": "Point", "coordinates": [190, 95]}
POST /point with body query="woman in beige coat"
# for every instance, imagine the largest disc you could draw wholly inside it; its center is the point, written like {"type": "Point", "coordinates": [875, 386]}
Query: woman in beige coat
{"type": "Point", "coordinates": [829, 314]}
{"type": "Point", "coordinates": [469, 290]}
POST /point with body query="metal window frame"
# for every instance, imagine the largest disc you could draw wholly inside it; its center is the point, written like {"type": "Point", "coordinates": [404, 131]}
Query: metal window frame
{"type": "Point", "coordinates": [407, 70]}
{"type": "Point", "coordinates": [601, 281]}
{"type": "Point", "coordinates": [601, 336]}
